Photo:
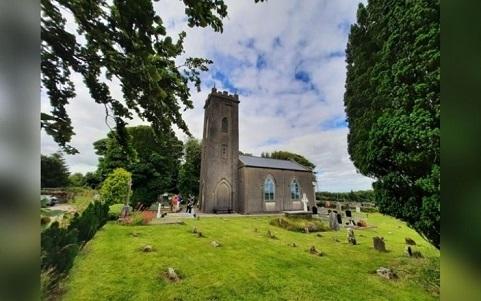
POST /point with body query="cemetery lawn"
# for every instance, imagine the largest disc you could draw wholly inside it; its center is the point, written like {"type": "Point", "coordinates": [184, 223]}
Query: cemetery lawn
{"type": "Point", "coordinates": [249, 265]}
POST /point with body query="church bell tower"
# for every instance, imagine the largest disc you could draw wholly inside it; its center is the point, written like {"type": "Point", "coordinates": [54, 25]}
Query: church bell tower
{"type": "Point", "coordinates": [220, 153]}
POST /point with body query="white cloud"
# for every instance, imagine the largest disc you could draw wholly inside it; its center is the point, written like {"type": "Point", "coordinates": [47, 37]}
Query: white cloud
{"type": "Point", "coordinates": [287, 39]}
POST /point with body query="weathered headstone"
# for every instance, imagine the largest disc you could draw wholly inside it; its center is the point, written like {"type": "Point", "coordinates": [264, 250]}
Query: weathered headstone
{"type": "Point", "coordinates": [358, 209]}
{"type": "Point", "coordinates": [271, 235]}
{"type": "Point", "coordinates": [314, 251]}
{"type": "Point", "coordinates": [348, 213]}
{"type": "Point", "coordinates": [339, 218]}
{"type": "Point", "coordinates": [172, 275]}
{"type": "Point", "coordinates": [351, 238]}
{"type": "Point", "coordinates": [386, 273]}
{"type": "Point", "coordinates": [125, 211]}
{"type": "Point", "coordinates": [314, 210]}
{"type": "Point", "coordinates": [411, 251]}
{"type": "Point", "coordinates": [378, 243]}
{"type": "Point", "coordinates": [147, 248]}
{"type": "Point", "coordinates": [333, 223]}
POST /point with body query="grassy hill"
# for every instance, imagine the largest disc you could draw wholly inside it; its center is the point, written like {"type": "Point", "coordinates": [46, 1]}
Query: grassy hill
{"type": "Point", "coordinates": [249, 265]}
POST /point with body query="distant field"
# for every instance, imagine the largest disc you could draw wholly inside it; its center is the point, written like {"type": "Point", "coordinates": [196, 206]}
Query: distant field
{"type": "Point", "coordinates": [249, 265]}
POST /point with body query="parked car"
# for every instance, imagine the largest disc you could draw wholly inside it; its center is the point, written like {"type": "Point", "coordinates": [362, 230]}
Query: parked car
{"type": "Point", "coordinates": [47, 200]}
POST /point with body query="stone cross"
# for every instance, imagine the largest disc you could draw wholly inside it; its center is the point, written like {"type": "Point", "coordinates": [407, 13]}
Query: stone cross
{"type": "Point", "coordinates": [304, 201]}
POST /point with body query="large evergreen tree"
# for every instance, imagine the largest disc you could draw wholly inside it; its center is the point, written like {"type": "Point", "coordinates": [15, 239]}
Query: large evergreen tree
{"type": "Point", "coordinates": [54, 171]}
{"type": "Point", "coordinates": [393, 108]}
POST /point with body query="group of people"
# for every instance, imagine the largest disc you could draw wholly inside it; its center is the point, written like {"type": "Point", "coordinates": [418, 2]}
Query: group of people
{"type": "Point", "coordinates": [177, 199]}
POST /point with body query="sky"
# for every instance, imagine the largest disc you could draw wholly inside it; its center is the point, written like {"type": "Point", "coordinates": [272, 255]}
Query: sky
{"type": "Point", "coordinates": [285, 59]}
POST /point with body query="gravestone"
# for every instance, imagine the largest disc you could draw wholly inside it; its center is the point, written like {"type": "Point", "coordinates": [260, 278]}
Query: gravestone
{"type": "Point", "coordinates": [333, 224]}
{"type": "Point", "coordinates": [215, 244]}
{"type": "Point", "coordinates": [172, 275]}
{"type": "Point", "coordinates": [314, 210]}
{"type": "Point", "coordinates": [386, 273]}
{"type": "Point", "coordinates": [125, 211]}
{"type": "Point", "coordinates": [271, 235]}
{"type": "Point", "coordinates": [358, 209]}
{"type": "Point", "coordinates": [379, 244]}
{"type": "Point", "coordinates": [339, 218]}
{"type": "Point", "coordinates": [411, 251]}
{"type": "Point", "coordinates": [348, 213]}
{"type": "Point", "coordinates": [350, 236]}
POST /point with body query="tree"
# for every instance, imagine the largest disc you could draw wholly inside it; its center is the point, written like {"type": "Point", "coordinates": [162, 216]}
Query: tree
{"type": "Point", "coordinates": [190, 170]}
{"type": "Point", "coordinates": [76, 180]}
{"type": "Point", "coordinates": [125, 40]}
{"type": "Point", "coordinates": [116, 188]}
{"type": "Point", "coordinates": [393, 108]}
{"type": "Point", "coordinates": [54, 171]}
{"type": "Point", "coordinates": [153, 160]}
{"type": "Point", "coordinates": [92, 180]}
{"type": "Point", "coordinates": [283, 155]}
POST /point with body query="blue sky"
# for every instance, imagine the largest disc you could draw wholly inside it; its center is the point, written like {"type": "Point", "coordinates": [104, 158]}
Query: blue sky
{"type": "Point", "coordinates": [286, 61]}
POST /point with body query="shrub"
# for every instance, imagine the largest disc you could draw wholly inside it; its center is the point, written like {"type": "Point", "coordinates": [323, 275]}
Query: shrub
{"type": "Point", "coordinates": [47, 283]}
{"type": "Point", "coordinates": [115, 189]}
{"type": "Point", "coordinates": [59, 248]}
{"type": "Point", "coordinates": [299, 224]}
{"type": "Point", "coordinates": [137, 218]}
{"type": "Point", "coordinates": [61, 245]}
{"type": "Point", "coordinates": [93, 217]}
{"type": "Point", "coordinates": [44, 220]}
{"type": "Point", "coordinates": [115, 210]}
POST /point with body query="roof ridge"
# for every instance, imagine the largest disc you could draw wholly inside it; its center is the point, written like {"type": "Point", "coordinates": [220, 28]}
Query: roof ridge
{"type": "Point", "coordinates": [286, 164]}
{"type": "Point", "coordinates": [269, 158]}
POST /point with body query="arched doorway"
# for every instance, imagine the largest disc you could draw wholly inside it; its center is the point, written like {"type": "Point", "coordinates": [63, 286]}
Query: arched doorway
{"type": "Point", "coordinates": [223, 196]}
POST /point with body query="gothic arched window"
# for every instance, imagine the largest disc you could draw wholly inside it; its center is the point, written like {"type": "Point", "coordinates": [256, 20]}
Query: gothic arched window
{"type": "Point", "coordinates": [225, 125]}
{"type": "Point", "coordinates": [295, 190]}
{"type": "Point", "coordinates": [269, 189]}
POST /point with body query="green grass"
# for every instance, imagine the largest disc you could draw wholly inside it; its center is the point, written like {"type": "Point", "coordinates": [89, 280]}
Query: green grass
{"type": "Point", "coordinates": [82, 198]}
{"type": "Point", "coordinates": [299, 224]}
{"type": "Point", "coordinates": [249, 265]}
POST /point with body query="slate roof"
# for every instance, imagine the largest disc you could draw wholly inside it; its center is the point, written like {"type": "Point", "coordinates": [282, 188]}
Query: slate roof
{"type": "Point", "coordinates": [271, 163]}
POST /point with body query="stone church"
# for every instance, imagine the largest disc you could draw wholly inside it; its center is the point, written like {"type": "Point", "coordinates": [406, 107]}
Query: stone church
{"type": "Point", "coordinates": [230, 182]}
